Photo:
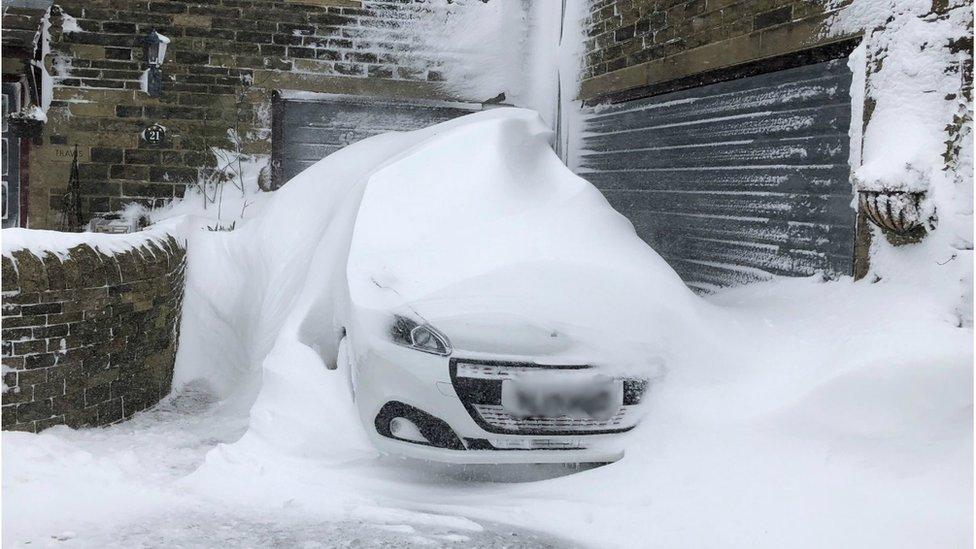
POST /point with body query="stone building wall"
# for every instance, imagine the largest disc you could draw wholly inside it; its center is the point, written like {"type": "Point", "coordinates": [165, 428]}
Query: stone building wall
{"type": "Point", "coordinates": [89, 338]}
{"type": "Point", "coordinates": [636, 43]}
{"type": "Point", "coordinates": [224, 60]}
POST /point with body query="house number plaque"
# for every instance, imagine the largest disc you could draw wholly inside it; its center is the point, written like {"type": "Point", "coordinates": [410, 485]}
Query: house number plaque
{"type": "Point", "coordinates": [155, 134]}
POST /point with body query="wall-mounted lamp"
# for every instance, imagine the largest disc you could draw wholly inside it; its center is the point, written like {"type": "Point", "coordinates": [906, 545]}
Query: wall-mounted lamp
{"type": "Point", "coordinates": [155, 54]}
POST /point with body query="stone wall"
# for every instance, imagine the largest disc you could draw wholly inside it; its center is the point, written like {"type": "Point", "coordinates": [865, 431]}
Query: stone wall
{"type": "Point", "coordinates": [225, 59]}
{"type": "Point", "coordinates": [89, 338]}
{"type": "Point", "coordinates": [636, 43]}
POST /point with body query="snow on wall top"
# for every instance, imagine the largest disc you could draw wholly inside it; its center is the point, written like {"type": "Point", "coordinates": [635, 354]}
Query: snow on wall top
{"type": "Point", "coordinates": [41, 242]}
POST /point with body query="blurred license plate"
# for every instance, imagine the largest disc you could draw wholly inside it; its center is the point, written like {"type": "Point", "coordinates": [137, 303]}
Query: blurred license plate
{"type": "Point", "coordinates": [597, 398]}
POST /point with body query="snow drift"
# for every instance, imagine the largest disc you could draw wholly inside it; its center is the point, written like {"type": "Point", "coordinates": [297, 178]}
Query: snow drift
{"type": "Point", "coordinates": [491, 255]}
{"type": "Point", "coordinates": [402, 220]}
{"type": "Point", "coordinates": [788, 413]}
{"type": "Point", "coordinates": [794, 413]}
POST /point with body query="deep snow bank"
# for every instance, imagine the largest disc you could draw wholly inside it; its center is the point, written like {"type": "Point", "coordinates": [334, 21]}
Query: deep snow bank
{"type": "Point", "coordinates": [483, 221]}
{"type": "Point", "coordinates": [412, 224]}
{"type": "Point", "coordinates": [790, 413]}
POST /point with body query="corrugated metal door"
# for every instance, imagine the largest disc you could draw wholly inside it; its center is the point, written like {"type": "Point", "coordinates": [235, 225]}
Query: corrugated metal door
{"type": "Point", "coordinates": [736, 181]}
{"type": "Point", "coordinates": [308, 127]}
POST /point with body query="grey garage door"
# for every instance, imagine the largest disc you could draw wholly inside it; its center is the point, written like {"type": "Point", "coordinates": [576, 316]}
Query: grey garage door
{"type": "Point", "coordinates": [308, 127]}
{"type": "Point", "coordinates": [736, 181]}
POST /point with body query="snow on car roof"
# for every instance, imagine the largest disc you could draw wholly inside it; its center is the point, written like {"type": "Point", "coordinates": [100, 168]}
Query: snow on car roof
{"type": "Point", "coordinates": [482, 216]}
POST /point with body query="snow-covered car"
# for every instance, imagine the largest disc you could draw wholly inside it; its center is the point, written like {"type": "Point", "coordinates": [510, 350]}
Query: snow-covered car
{"type": "Point", "coordinates": [499, 310]}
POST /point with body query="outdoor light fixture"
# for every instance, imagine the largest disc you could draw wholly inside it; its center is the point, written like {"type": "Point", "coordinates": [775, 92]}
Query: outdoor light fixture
{"type": "Point", "coordinates": [155, 54]}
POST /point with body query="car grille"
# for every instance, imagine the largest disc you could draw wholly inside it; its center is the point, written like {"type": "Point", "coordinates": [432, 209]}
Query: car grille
{"type": "Point", "coordinates": [496, 416]}
{"type": "Point", "coordinates": [479, 386]}
{"type": "Point", "coordinates": [474, 370]}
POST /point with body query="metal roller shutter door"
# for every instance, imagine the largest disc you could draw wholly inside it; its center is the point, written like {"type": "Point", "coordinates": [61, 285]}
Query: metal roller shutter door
{"type": "Point", "coordinates": [309, 127]}
{"type": "Point", "coordinates": [736, 181]}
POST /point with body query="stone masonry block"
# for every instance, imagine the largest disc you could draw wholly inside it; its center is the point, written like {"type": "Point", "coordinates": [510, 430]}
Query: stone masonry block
{"type": "Point", "coordinates": [17, 395]}
{"type": "Point", "coordinates": [22, 298]}
{"type": "Point", "coordinates": [70, 402]}
{"type": "Point", "coordinates": [88, 263]}
{"type": "Point", "coordinates": [9, 275]}
{"type": "Point", "coordinates": [39, 361]}
{"type": "Point", "coordinates": [31, 411]}
{"type": "Point", "coordinates": [73, 273]}
{"type": "Point", "coordinates": [28, 347]}
{"type": "Point", "coordinates": [55, 271]}
{"type": "Point", "coordinates": [42, 424]}
{"type": "Point", "coordinates": [97, 394]}
{"type": "Point", "coordinates": [131, 266]}
{"type": "Point", "coordinates": [14, 362]}
{"type": "Point", "coordinates": [9, 416]}
{"type": "Point", "coordinates": [71, 373]}
{"type": "Point", "coordinates": [86, 417]}
{"type": "Point", "coordinates": [32, 277]}
{"type": "Point", "coordinates": [189, 20]}
{"type": "Point", "coordinates": [11, 335]}
{"type": "Point", "coordinates": [110, 411]}
{"type": "Point", "coordinates": [39, 309]}
{"type": "Point", "coordinates": [48, 389]}
{"type": "Point", "coordinates": [26, 378]}
{"type": "Point", "coordinates": [26, 427]}
{"type": "Point", "coordinates": [109, 270]}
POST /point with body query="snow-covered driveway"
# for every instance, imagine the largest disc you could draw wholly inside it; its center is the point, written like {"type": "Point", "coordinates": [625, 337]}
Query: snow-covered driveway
{"type": "Point", "coordinates": [120, 487]}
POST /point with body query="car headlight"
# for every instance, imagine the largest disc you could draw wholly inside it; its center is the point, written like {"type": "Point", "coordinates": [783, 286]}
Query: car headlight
{"type": "Point", "coordinates": [422, 337]}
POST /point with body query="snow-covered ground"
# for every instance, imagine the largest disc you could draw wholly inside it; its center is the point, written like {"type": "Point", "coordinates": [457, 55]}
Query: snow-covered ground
{"type": "Point", "coordinates": [795, 413]}
{"type": "Point", "coordinates": [123, 486]}
{"type": "Point", "coordinates": [839, 415]}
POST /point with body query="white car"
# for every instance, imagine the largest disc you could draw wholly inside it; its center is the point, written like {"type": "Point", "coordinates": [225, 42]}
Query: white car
{"type": "Point", "coordinates": [500, 311]}
{"type": "Point", "coordinates": [424, 395]}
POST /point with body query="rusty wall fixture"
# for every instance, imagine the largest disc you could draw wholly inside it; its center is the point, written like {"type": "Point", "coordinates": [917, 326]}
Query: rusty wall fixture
{"type": "Point", "coordinates": [897, 211]}
{"type": "Point", "coordinates": [25, 123]}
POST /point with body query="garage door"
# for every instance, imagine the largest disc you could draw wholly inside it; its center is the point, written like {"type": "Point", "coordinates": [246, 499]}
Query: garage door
{"type": "Point", "coordinates": [307, 127]}
{"type": "Point", "coordinates": [736, 181]}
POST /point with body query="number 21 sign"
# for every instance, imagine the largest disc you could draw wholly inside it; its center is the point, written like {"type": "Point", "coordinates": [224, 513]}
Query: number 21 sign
{"type": "Point", "coordinates": [155, 134]}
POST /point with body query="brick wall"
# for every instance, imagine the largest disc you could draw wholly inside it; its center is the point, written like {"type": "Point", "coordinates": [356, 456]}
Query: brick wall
{"type": "Point", "coordinates": [336, 46]}
{"type": "Point", "coordinates": [633, 43]}
{"type": "Point", "coordinates": [88, 338]}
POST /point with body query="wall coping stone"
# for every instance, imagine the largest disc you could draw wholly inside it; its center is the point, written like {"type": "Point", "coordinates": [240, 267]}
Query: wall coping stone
{"type": "Point", "coordinates": [41, 242]}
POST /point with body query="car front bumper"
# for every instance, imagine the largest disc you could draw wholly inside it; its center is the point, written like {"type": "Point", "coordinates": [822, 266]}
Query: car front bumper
{"type": "Point", "coordinates": [460, 394]}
